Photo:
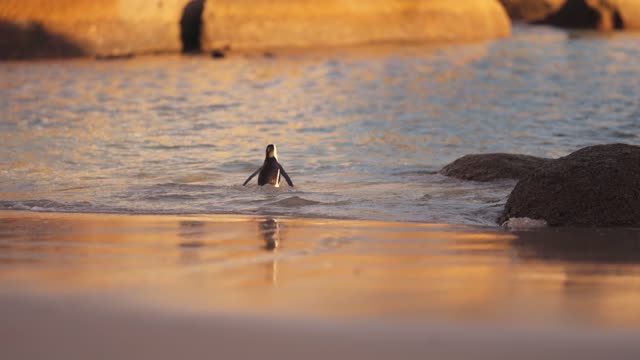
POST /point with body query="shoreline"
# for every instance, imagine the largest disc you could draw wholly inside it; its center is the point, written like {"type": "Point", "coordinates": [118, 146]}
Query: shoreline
{"type": "Point", "coordinates": [248, 217]}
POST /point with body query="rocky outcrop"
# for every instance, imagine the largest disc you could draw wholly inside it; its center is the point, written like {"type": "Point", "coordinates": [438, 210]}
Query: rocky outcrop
{"type": "Point", "coordinates": [259, 24]}
{"type": "Point", "coordinates": [89, 27]}
{"type": "Point", "coordinates": [490, 167]}
{"type": "Point", "coordinates": [594, 186]}
{"type": "Point", "coordinates": [111, 28]}
{"type": "Point", "coordinates": [585, 14]}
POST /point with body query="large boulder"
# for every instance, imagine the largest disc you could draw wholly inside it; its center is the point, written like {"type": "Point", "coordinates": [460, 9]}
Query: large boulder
{"type": "Point", "coordinates": [260, 24]}
{"type": "Point", "coordinates": [584, 14]}
{"type": "Point", "coordinates": [490, 167]}
{"type": "Point", "coordinates": [42, 28]}
{"type": "Point", "coordinates": [594, 186]}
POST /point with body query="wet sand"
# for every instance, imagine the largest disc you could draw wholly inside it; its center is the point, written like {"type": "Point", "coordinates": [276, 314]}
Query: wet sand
{"type": "Point", "coordinates": [162, 286]}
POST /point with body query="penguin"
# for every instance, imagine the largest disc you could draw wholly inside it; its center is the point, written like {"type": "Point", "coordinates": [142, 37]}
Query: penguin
{"type": "Point", "coordinates": [270, 170]}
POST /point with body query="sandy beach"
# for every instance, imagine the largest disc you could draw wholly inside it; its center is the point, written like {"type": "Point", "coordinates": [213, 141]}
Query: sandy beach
{"type": "Point", "coordinates": [153, 287]}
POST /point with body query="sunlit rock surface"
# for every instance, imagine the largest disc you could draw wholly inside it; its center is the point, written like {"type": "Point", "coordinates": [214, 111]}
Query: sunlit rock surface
{"type": "Point", "coordinates": [40, 28]}
{"type": "Point", "coordinates": [489, 167]}
{"type": "Point", "coordinates": [247, 24]}
{"type": "Point", "coordinates": [37, 28]}
{"type": "Point", "coordinates": [587, 14]}
{"type": "Point", "coordinates": [595, 186]}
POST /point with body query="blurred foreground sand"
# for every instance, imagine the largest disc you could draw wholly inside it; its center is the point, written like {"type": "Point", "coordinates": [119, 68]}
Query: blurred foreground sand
{"type": "Point", "coordinates": [75, 328]}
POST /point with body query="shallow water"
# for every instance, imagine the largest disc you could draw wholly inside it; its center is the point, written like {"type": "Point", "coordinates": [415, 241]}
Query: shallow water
{"type": "Point", "coordinates": [362, 132]}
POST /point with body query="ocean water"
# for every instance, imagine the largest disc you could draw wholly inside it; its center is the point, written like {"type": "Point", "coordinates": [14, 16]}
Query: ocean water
{"type": "Point", "coordinates": [361, 131]}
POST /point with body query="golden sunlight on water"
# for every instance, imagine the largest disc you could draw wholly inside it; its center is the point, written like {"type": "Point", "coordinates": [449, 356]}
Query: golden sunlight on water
{"type": "Point", "coordinates": [327, 268]}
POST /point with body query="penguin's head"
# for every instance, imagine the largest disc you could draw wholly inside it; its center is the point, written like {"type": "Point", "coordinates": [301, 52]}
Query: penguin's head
{"type": "Point", "coordinates": [272, 152]}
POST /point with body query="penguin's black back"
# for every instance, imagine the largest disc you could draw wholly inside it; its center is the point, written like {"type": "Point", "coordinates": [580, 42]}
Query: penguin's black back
{"type": "Point", "coordinates": [270, 173]}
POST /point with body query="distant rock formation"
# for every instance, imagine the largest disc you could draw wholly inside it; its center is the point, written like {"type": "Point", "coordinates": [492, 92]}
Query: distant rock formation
{"type": "Point", "coordinates": [264, 24]}
{"type": "Point", "coordinates": [490, 167]}
{"type": "Point", "coordinates": [595, 186]}
{"type": "Point", "coordinates": [584, 14]}
{"type": "Point", "coordinates": [116, 28]}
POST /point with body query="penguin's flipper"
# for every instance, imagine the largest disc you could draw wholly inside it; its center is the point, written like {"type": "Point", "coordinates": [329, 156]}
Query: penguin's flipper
{"type": "Point", "coordinates": [286, 177]}
{"type": "Point", "coordinates": [252, 175]}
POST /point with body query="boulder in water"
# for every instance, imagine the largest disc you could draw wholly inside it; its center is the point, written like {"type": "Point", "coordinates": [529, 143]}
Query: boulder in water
{"type": "Point", "coordinates": [250, 24]}
{"type": "Point", "coordinates": [490, 167]}
{"type": "Point", "coordinates": [595, 186]}
{"type": "Point", "coordinates": [581, 14]}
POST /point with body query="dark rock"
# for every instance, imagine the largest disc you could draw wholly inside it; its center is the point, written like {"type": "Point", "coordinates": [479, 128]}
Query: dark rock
{"type": "Point", "coordinates": [490, 167]}
{"type": "Point", "coordinates": [217, 54]}
{"type": "Point", "coordinates": [191, 26]}
{"type": "Point", "coordinates": [595, 186]}
{"type": "Point", "coordinates": [584, 14]}
{"type": "Point", "coordinates": [578, 14]}
{"type": "Point", "coordinates": [115, 57]}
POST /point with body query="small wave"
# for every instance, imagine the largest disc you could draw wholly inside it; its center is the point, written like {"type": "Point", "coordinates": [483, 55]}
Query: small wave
{"type": "Point", "coordinates": [180, 187]}
{"type": "Point", "coordinates": [322, 130]}
{"type": "Point", "coordinates": [214, 107]}
{"type": "Point", "coordinates": [194, 178]}
{"type": "Point", "coordinates": [238, 165]}
{"type": "Point", "coordinates": [179, 147]}
{"type": "Point", "coordinates": [295, 201]}
{"type": "Point", "coordinates": [42, 205]}
{"type": "Point", "coordinates": [172, 197]}
{"type": "Point", "coordinates": [414, 172]}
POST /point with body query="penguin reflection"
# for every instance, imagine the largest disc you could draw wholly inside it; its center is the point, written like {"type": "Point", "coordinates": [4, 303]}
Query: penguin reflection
{"type": "Point", "coordinates": [271, 233]}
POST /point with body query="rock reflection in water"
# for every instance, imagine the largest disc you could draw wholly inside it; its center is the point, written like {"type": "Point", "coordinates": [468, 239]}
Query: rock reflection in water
{"type": "Point", "coordinates": [597, 270]}
{"type": "Point", "coordinates": [602, 246]}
